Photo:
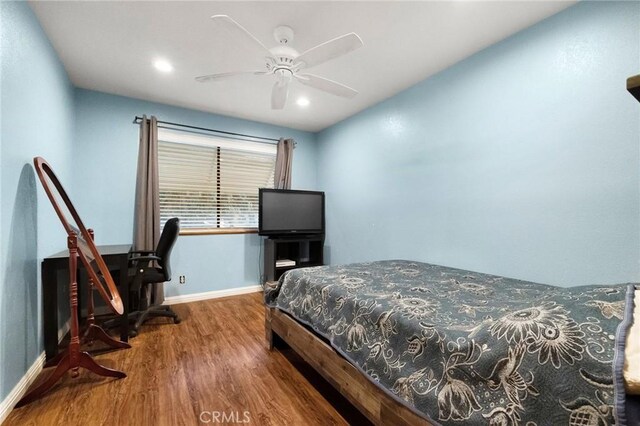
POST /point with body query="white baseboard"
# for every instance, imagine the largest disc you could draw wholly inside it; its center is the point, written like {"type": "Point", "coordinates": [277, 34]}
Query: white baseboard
{"type": "Point", "coordinates": [173, 300]}
{"type": "Point", "coordinates": [27, 380]}
{"type": "Point", "coordinates": [21, 387]}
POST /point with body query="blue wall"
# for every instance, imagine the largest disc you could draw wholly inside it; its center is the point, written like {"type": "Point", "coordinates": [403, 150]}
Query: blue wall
{"type": "Point", "coordinates": [37, 115]}
{"type": "Point", "coordinates": [105, 167]}
{"type": "Point", "coordinates": [522, 160]}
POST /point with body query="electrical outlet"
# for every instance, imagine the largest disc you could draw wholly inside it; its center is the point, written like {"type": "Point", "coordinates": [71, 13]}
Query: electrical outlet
{"type": "Point", "coordinates": [183, 279]}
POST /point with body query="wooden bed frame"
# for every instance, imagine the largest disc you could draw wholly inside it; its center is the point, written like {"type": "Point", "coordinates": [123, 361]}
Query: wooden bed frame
{"type": "Point", "coordinates": [372, 401]}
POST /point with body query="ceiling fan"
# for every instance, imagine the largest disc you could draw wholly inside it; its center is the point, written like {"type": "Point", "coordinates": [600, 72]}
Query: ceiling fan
{"type": "Point", "coordinates": [286, 63]}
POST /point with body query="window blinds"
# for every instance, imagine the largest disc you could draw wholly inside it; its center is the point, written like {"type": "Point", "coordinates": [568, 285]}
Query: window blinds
{"type": "Point", "coordinates": [210, 182]}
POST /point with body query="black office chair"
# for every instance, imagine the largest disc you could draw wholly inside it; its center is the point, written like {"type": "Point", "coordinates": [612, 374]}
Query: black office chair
{"type": "Point", "coordinates": [147, 269]}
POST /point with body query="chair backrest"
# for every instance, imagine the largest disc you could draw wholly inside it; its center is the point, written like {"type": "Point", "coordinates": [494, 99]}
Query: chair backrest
{"type": "Point", "coordinates": [165, 245]}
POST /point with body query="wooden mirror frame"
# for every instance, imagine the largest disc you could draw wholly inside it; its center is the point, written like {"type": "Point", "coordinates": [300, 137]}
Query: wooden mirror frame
{"type": "Point", "coordinates": [81, 245]}
{"type": "Point", "coordinates": [106, 287]}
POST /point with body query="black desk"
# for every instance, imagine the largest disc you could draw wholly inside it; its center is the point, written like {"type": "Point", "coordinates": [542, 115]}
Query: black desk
{"type": "Point", "coordinates": [115, 256]}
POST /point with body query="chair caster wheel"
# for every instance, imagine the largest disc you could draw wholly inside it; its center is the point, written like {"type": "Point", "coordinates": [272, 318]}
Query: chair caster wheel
{"type": "Point", "coordinates": [133, 333]}
{"type": "Point", "coordinates": [177, 320]}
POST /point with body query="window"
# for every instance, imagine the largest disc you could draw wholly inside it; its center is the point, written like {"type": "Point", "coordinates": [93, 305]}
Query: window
{"type": "Point", "coordinates": [211, 183]}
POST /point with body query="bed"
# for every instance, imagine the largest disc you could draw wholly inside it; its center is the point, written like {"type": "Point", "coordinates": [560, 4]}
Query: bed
{"type": "Point", "coordinates": [414, 343]}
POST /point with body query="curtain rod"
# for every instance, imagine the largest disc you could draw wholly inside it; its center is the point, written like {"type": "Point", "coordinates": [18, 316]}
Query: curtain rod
{"type": "Point", "coordinates": [137, 120]}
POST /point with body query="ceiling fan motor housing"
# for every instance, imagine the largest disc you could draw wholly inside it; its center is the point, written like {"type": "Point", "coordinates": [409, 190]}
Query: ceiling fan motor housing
{"type": "Point", "coordinates": [284, 56]}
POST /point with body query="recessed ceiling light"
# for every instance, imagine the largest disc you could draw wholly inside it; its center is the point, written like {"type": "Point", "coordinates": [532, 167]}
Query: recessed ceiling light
{"type": "Point", "coordinates": [303, 102]}
{"type": "Point", "coordinates": [162, 65]}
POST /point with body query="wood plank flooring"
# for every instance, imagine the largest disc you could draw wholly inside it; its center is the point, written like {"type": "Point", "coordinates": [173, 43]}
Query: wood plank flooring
{"type": "Point", "coordinates": [210, 369]}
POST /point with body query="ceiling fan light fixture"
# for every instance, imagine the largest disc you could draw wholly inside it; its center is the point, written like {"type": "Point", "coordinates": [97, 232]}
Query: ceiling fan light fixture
{"type": "Point", "coordinates": [284, 75]}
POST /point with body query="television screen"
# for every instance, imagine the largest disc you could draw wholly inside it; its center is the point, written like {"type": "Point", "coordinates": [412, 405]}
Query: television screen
{"type": "Point", "coordinates": [285, 211]}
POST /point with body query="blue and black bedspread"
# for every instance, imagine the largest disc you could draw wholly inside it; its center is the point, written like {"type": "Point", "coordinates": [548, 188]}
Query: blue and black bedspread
{"type": "Point", "coordinates": [460, 347]}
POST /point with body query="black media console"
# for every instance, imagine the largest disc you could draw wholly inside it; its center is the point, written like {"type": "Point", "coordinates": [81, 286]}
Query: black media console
{"type": "Point", "coordinates": [304, 250]}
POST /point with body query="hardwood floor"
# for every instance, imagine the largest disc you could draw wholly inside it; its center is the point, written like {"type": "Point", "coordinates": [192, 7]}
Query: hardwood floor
{"type": "Point", "coordinates": [213, 368]}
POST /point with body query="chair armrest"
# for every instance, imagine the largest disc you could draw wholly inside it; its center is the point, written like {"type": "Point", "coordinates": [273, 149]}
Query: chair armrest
{"type": "Point", "coordinates": [144, 259]}
{"type": "Point", "coordinates": [138, 252]}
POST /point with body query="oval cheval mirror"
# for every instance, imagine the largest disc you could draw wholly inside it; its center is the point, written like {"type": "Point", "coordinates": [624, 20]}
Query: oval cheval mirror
{"type": "Point", "coordinates": [87, 251]}
{"type": "Point", "coordinates": [81, 245]}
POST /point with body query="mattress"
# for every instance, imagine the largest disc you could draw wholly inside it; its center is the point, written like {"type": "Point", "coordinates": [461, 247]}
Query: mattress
{"type": "Point", "coordinates": [459, 346]}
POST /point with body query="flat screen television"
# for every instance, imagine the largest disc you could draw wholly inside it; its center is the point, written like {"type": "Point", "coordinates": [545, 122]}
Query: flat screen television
{"type": "Point", "coordinates": [287, 211]}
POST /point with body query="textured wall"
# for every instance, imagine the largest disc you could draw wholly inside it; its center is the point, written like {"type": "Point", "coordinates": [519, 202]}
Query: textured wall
{"type": "Point", "coordinates": [37, 119]}
{"type": "Point", "coordinates": [522, 160]}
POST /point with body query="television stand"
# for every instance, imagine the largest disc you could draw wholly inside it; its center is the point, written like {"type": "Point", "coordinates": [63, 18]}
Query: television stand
{"type": "Point", "coordinates": [285, 252]}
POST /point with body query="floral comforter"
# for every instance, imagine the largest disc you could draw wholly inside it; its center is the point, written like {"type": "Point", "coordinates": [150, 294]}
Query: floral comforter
{"type": "Point", "coordinates": [460, 347]}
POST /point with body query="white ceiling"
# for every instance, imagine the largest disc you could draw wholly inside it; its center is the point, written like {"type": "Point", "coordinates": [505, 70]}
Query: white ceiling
{"type": "Point", "coordinates": [110, 47]}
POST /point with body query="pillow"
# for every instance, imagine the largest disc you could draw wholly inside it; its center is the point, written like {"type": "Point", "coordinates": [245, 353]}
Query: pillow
{"type": "Point", "coordinates": [632, 351]}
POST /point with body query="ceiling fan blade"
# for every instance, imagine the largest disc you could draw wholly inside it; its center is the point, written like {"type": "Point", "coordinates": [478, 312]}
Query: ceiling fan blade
{"type": "Point", "coordinates": [326, 85]}
{"type": "Point", "coordinates": [224, 75]}
{"type": "Point", "coordinates": [237, 31]}
{"type": "Point", "coordinates": [279, 94]}
{"type": "Point", "coordinates": [330, 50]}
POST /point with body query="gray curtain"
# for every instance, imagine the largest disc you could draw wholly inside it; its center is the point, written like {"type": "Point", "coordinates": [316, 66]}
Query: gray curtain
{"type": "Point", "coordinates": [284, 158]}
{"type": "Point", "coordinates": [146, 228]}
